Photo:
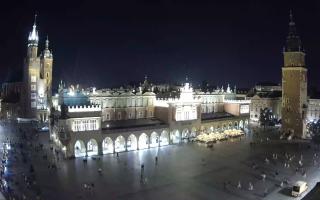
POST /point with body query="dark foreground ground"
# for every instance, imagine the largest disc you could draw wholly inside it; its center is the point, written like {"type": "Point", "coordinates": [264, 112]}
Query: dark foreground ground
{"type": "Point", "coordinates": [185, 171]}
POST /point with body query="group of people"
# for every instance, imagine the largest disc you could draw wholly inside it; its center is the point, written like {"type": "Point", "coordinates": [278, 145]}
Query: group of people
{"type": "Point", "coordinates": [19, 179]}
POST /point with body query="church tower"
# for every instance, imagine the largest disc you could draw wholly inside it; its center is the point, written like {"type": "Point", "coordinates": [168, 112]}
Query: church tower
{"type": "Point", "coordinates": [37, 78]}
{"type": "Point", "coordinates": [32, 73]}
{"type": "Point", "coordinates": [46, 71]}
{"type": "Point", "coordinates": [294, 84]}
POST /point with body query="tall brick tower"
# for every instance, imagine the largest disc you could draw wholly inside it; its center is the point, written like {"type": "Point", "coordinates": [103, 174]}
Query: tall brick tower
{"type": "Point", "coordinates": [294, 84]}
{"type": "Point", "coordinates": [37, 78]}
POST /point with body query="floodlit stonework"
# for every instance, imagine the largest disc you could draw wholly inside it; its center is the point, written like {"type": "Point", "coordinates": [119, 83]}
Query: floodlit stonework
{"type": "Point", "coordinates": [294, 85]}
{"type": "Point", "coordinates": [95, 122]}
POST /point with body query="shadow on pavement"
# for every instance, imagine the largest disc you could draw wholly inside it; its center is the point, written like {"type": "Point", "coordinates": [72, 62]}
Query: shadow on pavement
{"type": "Point", "coordinates": [286, 191]}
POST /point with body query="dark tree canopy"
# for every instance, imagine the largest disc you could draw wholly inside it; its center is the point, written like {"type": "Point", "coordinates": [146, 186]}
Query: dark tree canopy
{"type": "Point", "coordinates": [314, 130]}
{"type": "Point", "coordinates": [266, 117]}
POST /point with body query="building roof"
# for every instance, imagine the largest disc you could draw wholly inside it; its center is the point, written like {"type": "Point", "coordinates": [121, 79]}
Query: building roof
{"type": "Point", "coordinates": [218, 115]}
{"type": "Point", "coordinates": [271, 94]}
{"type": "Point", "coordinates": [266, 83]}
{"type": "Point", "coordinates": [131, 124]}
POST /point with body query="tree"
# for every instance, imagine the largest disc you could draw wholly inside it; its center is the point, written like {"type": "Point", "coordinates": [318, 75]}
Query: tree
{"type": "Point", "coordinates": [313, 129]}
{"type": "Point", "coordinates": [266, 117]}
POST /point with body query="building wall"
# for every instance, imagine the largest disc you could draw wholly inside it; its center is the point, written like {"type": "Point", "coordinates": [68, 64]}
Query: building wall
{"type": "Point", "coordinates": [213, 102]}
{"type": "Point", "coordinates": [294, 99]}
{"type": "Point", "coordinates": [232, 108]}
{"type": "Point", "coordinates": [258, 103]}
{"type": "Point", "coordinates": [313, 112]}
{"type": "Point", "coordinates": [124, 105]}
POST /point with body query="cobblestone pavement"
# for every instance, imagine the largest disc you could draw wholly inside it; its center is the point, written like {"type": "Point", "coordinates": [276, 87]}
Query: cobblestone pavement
{"type": "Point", "coordinates": [185, 171]}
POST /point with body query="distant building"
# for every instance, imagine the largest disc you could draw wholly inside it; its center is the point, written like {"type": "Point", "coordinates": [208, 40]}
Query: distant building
{"type": "Point", "coordinates": [260, 101]}
{"type": "Point", "coordinates": [313, 112]}
{"type": "Point", "coordinates": [11, 101]}
{"type": "Point", "coordinates": [265, 95]}
{"type": "Point", "coordinates": [266, 87]}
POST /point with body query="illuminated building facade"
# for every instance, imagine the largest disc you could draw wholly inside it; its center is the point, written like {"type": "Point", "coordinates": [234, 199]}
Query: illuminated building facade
{"type": "Point", "coordinates": [31, 97]}
{"type": "Point", "coordinates": [313, 113]}
{"type": "Point", "coordinates": [95, 122]}
{"type": "Point", "coordinates": [294, 85]}
{"type": "Point", "coordinates": [37, 78]}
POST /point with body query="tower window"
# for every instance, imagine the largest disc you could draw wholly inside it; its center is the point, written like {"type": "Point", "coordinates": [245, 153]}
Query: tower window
{"type": "Point", "coordinates": [33, 79]}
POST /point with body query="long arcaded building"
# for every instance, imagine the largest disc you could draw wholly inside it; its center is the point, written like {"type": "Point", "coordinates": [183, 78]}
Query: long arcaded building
{"type": "Point", "coordinates": [96, 122]}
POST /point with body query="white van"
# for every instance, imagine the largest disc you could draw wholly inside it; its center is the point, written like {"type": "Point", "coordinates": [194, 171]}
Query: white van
{"type": "Point", "coordinates": [298, 188]}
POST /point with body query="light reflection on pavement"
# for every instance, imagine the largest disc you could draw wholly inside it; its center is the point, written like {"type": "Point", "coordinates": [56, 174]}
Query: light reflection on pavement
{"type": "Point", "coordinates": [185, 171]}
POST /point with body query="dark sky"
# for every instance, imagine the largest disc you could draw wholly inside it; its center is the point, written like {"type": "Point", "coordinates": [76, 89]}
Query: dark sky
{"type": "Point", "coordinates": [104, 43]}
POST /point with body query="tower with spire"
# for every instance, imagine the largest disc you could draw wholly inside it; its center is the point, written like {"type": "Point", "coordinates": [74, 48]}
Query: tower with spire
{"type": "Point", "coordinates": [33, 40]}
{"type": "Point", "coordinates": [294, 84]}
{"type": "Point", "coordinates": [37, 77]}
{"type": "Point", "coordinates": [46, 70]}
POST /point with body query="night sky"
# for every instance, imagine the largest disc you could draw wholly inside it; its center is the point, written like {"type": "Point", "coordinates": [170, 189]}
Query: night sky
{"type": "Point", "coordinates": [109, 43]}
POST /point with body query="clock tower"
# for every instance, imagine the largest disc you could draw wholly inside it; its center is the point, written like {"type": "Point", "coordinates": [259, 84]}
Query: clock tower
{"type": "Point", "coordinates": [294, 84]}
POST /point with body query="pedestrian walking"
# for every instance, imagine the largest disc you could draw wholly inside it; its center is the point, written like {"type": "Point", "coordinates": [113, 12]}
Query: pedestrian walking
{"type": "Point", "coordinates": [265, 193]}
{"type": "Point", "coordinates": [263, 175]}
{"type": "Point", "coordinates": [239, 185]}
{"type": "Point", "coordinates": [281, 184]}
{"type": "Point", "coordinates": [156, 160]}
{"type": "Point", "coordinates": [250, 188]}
{"type": "Point", "coordinates": [142, 172]}
{"type": "Point", "coordinates": [267, 161]}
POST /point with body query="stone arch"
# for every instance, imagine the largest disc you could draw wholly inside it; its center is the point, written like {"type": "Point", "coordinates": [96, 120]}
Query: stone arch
{"type": "Point", "coordinates": [236, 125]}
{"type": "Point", "coordinates": [224, 127]}
{"type": "Point", "coordinates": [230, 126]}
{"type": "Point", "coordinates": [175, 136]}
{"type": "Point", "coordinates": [132, 143]}
{"type": "Point", "coordinates": [120, 144]}
{"type": "Point", "coordinates": [185, 134]}
{"type": "Point", "coordinates": [107, 145]}
{"type": "Point", "coordinates": [202, 129]}
{"type": "Point", "coordinates": [164, 138]}
{"type": "Point", "coordinates": [241, 125]}
{"type": "Point", "coordinates": [193, 133]}
{"type": "Point", "coordinates": [246, 123]}
{"type": "Point", "coordinates": [79, 149]}
{"type": "Point", "coordinates": [143, 141]}
{"type": "Point", "coordinates": [92, 147]}
{"type": "Point", "coordinates": [211, 129]}
{"type": "Point", "coordinates": [154, 139]}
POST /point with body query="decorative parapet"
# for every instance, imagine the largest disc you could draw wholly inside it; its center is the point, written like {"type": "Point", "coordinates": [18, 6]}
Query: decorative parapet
{"type": "Point", "coordinates": [83, 108]}
{"type": "Point", "coordinates": [90, 108]}
{"type": "Point", "coordinates": [164, 102]}
{"type": "Point", "coordinates": [237, 101]}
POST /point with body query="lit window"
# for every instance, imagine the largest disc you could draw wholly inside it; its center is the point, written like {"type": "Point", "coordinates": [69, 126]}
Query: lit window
{"type": "Point", "coordinates": [33, 87]}
{"type": "Point", "coordinates": [33, 79]}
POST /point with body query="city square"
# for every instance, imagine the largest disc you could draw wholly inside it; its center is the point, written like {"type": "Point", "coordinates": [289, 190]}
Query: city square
{"type": "Point", "coordinates": [159, 100]}
{"type": "Point", "coordinates": [183, 171]}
